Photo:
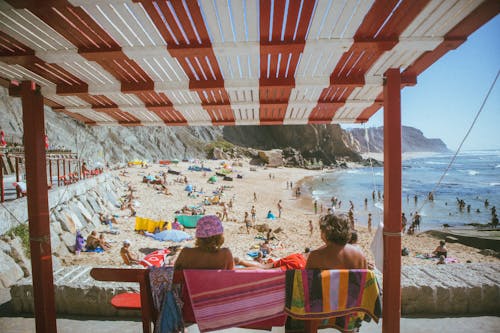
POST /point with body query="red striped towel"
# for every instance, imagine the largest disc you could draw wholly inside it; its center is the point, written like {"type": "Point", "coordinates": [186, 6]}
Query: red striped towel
{"type": "Point", "coordinates": [225, 298]}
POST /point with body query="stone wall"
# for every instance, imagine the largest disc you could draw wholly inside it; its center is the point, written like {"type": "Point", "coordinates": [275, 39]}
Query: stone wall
{"type": "Point", "coordinates": [438, 290]}
{"type": "Point", "coordinates": [73, 207]}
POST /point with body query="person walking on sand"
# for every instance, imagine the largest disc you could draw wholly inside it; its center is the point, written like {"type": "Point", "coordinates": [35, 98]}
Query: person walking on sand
{"type": "Point", "coordinates": [224, 213]}
{"type": "Point", "coordinates": [369, 222]}
{"type": "Point", "coordinates": [315, 206]}
{"type": "Point", "coordinates": [280, 208]}
{"type": "Point", "coordinates": [254, 197]}
{"type": "Point", "coordinates": [247, 222]}
{"type": "Point", "coordinates": [253, 212]}
{"type": "Point", "coordinates": [311, 227]}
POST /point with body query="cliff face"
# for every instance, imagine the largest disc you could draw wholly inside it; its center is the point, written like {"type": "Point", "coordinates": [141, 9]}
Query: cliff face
{"type": "Point", "coordinates": [323, 142]}
{"type": "Point", "coordinates": [413, 141]}
{"type": "Point", "coordinates": [113, 144]}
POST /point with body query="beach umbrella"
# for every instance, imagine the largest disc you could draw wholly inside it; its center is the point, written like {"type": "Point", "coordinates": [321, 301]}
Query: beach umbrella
{"type": "Point", "coordinates": [172, 235]}
{"type": "Point", "coordinates": [212, 179]}
{"type": "Point", "coordinates": [155, 258]}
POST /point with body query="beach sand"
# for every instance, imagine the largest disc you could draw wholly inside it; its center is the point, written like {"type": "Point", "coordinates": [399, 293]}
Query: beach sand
{"type": "Point", "coordinates": [294, 237]}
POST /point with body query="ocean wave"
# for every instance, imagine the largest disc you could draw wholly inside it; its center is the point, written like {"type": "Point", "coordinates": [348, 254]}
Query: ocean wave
{"type": "Point", "coordinates": [494, 184]}
{"type": "Point", "coordinates": [353, 171]}
{"type": "Point", "coordinates": [472, 172]}
{"type": "Point", "coordinates": [436, 163]}
{"type": "Point", "coordinates": [497, 166]}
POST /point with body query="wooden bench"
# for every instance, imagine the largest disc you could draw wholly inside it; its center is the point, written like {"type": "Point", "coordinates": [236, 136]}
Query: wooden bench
{"type": "Point", "coordinates": [144, 301]}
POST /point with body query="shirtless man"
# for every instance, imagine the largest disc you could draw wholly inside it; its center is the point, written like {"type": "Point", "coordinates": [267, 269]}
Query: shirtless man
{"type": "Point", "coordinates": [127, 256]}
{"type": "Point", "coordinates": [92, 241]}
{"type": "Point", "coordinates": [336, 253]}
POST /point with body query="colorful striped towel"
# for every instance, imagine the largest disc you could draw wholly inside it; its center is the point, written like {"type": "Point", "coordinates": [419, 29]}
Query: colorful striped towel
{"type": "Point", "coordinates": [225, 298]}
{"type": "Point", "coordinates": [330, 295]}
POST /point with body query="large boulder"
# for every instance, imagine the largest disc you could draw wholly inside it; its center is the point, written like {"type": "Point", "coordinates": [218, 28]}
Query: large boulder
{"type": "Point", "coordinates": [10, 272]}
{"type": "Point", "coordinates": [273, 158]}
{"type": "Point", "coordinates": [219, 154]}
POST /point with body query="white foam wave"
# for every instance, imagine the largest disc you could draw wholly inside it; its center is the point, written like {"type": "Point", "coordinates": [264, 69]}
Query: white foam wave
{"type": "Point", "coordinates": [494, 184]}
{"type": "Point", "coordinates": [497, 166]}
{"type": "Point", "coordinates": [436, 163]}
{"type": "Point", "coordinates": [379, 205]}
{"type": "Point", "coordinates": [353, 171]}
{"type": "Point", "coordinates": [379, 173]}
{"type": "Point", "coordinates": [472, 172]}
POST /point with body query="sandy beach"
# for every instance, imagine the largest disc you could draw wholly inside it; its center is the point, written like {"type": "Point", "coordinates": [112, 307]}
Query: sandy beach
{"type": "Point", "coordinates": [270, 186]}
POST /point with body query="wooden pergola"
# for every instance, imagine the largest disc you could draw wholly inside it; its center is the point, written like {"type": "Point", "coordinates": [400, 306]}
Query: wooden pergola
{"type": "Point", "coordinates": [222, 62]}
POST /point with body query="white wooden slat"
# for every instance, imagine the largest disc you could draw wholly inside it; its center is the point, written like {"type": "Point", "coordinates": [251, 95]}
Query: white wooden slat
{"type": "Point", "coordinates": [433, 16]}
{"type": "Point", "coordinates": [195, 116]}
{"type": "Point", "coordinates": [252, 21]}
{"type": "Point", "coordinates": [10, 25]}
{"type": "Point", "coordinates": [143, 114]}
{"type": "Point", "coordinates": [29, 75]}
{"type": "Point", "coordinates": [211, 22]}
{"type": "Point", "coordinates": [317, 19]}
{"type": "Point", "coordinates": [247, 116]}
{"type": "Point", "coordinates": [336, 21]}
{"type": "Point", "coordinates": [419, 21]}
{"type": "Point", "coordinates": [44, 31]}
{"type": "Point", "coordinates": [456, 14]}
{"type": "Point", "coordinates": [360, 12]}
{"type": "Point", "coordinates": [225, 22]}
{"type": "Point", "coordinates": [94, 115]}
{"type": "Point", "coordinates": [110, 22]}
{"type": "Point", "coordinates": [238, 20]}
{"type": "Point", "coordinates": [135, 29]}
{"type": "Point", "coordinates": [147, 24]}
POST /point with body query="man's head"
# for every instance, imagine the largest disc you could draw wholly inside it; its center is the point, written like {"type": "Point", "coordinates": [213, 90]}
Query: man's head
{"type": "Point", "coordinates": [335, 228]}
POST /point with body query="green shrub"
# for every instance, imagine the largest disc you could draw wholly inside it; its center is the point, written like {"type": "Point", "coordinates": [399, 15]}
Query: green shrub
{"type": "Point", "coordinates": [22, 231]}
{"type": "Point", "coordinates": [222, 144]}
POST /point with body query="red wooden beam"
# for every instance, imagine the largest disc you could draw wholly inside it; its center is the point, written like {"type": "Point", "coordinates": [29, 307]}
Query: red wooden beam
{"type": "Point", "coordinates": [392, 202]}
{"type": "Point", "coordinates": [2, 189]}
{"type": "Point", "coordinates": [38, 208]}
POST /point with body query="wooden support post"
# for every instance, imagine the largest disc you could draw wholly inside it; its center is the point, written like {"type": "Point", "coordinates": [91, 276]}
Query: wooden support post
{"type": "Point", "coordinates": [2, 187]}
{"type": "Point", "coordinates": [50, 173]}
{"type": "Point", "coordinates": [64, 170]}
{"type": "Point", "coordinates": [392, 202]}
{"type": "Point", "coordinates": [38, 208]}
{"type": "Point", "coordinates": [16, 159]}
{"type": "Point", "coordinates": [58, 174]}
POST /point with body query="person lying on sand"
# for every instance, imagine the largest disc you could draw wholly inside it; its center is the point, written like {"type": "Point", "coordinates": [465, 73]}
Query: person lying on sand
{"type": "Point", "coordinates": [92, 241]}
{"type": "Point", "coordinates": [292, 261]}
{"type": "Point", "coordinates": [103, 243]}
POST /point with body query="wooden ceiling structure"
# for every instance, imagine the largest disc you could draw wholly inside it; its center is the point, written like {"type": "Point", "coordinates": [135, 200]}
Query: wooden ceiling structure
{"type": "Point", "coordinates": [219, 63]}
{"type": "Point", "coordinates": [226, 62]}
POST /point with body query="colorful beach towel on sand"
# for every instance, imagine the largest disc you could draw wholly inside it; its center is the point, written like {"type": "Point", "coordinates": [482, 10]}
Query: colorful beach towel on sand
{"type": "Point", "coordinates": [166, 300]}
{"type": "Point", "coordinates": [340, 298]}
{"type": "Point", "coordinates": [224, 298]}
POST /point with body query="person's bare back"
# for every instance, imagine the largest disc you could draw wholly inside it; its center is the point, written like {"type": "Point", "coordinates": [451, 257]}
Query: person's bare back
{"type": "Point", "coordinates": [196, 258]}
{"type": "Point", "coordinates": [335, 256]}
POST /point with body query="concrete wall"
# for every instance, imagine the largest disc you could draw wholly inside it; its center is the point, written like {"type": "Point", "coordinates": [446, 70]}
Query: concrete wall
{"type": "Point", "coordinates": [439, 290]}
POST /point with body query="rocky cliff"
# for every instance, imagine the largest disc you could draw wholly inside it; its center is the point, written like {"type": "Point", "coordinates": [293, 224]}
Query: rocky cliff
{"type": "Point", "coordinates": [413, 141]}
{"type": "Point", "coordinates": [321, 142]}
{"type": "Point", "coordinates": [105, 143]}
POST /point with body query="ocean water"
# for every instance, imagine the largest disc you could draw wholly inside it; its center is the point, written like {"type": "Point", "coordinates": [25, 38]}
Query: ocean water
{"type": "Point", "coordinates": [473, 177]}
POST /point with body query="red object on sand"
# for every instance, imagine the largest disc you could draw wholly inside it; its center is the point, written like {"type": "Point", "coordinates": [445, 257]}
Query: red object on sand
{"type": "Point", "coordinates": [156, 258]}
{"type": "Point", "coordinates": [3, 143]}
{"type": "Point", "coordinates": [46, 141]}
{"type": "Point", "coordinates": [127, 301]}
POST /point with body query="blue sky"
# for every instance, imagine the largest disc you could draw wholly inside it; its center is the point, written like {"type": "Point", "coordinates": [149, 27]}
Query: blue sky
{"type": "Point", "coordinates": [448, 94]}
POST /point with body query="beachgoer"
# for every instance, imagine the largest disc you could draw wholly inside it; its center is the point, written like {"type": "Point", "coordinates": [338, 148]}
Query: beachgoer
{"type": "Point", "coordinates": [103, 243]}
{"type": "Point", "coordinates": [441, 250]}
{"type": "Point", "coordinates": [369, 222]}
{"type": "Point", "coordinates": [280, 208]}
{"type": "Point", "coordinates": [366, 202]}
{"type": "Point", "coordinates": [336, 253]}
{"type": "Point", "coordinates": [21, 189]}
{"type": "Point", "coordinates": [311, 227]}
{"type": "Point", "coordinates": [292, 261]}
{"type": "Point", "coordinates": [404, 222]}
{"type": "Point", "coordinates": [270, 215]}
{"type": "Point", "coordinates": [92, 241]}
{"type": "Point", "coordinates": [354, 238]}
{"type": "Point", "coordinates": [254, 196]}
{"type": "Point", "coordinates": [224, 212]}
{"type": "Point", "coordinates": [208, 252]}
{"type": "Point", "coordinates": [315, 205]}
{"type": "Point", "coordinates": [247, 222]}
{"type": "Point", "coordinates": [79, 242]}
{"type": "Point", "coordinates": [416, 221]}
{"type": "Point", "coordinates": [253, 211]}
{"type": "Point", "coordinates": [442, 260]}
{"type": "Point", "coordinates": [265, 248]}
{"type": "Point", "coordinates": [176, 225]}
{"type": "Point", "coordinates": [127, 256]}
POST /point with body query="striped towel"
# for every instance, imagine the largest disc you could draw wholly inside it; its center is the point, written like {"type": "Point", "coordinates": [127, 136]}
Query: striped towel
{"type": "Point", "coordinates": [340, 298]}
{"type": "Point", "coordinates": [225, 298]}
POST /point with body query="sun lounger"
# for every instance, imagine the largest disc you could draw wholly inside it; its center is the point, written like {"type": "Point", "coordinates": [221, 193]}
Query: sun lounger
{"type": "Point", "coordinates": [258, 299]}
